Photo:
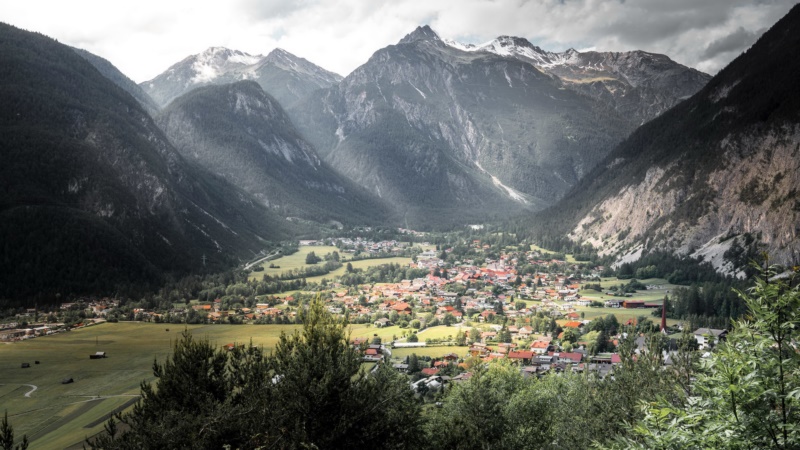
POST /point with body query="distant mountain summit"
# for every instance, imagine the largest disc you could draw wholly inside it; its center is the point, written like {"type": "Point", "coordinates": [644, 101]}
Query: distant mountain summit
{"type": "Point", "coordinates": [422, 33]}
{"type": "Point", "coordinates": [285, 76]}
{"type": "Point", "coordinates": [717, 176]}
{"type": "Point", "coordinates": [637, 84]}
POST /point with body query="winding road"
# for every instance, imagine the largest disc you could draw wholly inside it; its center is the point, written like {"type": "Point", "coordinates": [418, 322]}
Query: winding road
{"type": "Point", "coordinates": [33, 388]}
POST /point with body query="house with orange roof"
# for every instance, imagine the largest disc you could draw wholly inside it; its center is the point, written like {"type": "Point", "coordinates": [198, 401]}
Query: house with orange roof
{"type": "Point", "coordinates": [401, 308]}
{"type": "Point", "coordinates": [540, 347]}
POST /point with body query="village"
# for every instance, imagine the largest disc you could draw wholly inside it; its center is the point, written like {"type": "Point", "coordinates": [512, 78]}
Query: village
{"type": "Point", "coordinates": [522, 307]}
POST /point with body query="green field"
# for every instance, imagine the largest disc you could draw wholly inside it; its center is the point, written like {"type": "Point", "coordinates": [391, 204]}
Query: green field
{"type": "Point", "coordinates": [649, 295]}
{"type": "Point", "coordinates": [570, 259]}
{"type": "Point", "coordinates": [298, 261]}
{"type": "Point", "coordinates": [55, 415]}
{"type": "Point", "coordinates": [361, 264]}
{"type": "Point", "coordinates": [433, 352]}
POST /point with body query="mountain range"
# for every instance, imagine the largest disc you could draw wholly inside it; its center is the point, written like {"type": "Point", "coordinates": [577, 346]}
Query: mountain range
{"type": "Point", "coordinates": [106, 184]}
{"type": "Point", "coordinates": [284, 76]}
{"type": "Point", "coordinates": [475, 132]}
{"type": "Point", "coordinates": [717, 176]}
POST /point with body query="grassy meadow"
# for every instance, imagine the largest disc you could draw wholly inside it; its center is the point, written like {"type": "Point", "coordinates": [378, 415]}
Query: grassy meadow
{"type": "Point", "coordinates": [297, 260]}
{"type": "Point", "coordinates": [57, 416]}
{"type": "Point", "coordinates": [433, 352]}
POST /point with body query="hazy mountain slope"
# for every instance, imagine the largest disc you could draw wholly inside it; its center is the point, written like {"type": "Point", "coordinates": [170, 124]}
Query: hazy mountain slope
{"type": "Point", "coordinates": [92, 195]}
{"type": "Point", "coordinates": [241, 133]}
{"type": "Point", "coordinates": [723, 164]}
{"type": "Point", "coordinates": [286, 77]}
{"type": "Point", "coordinates": [289, 78]}
{"type": "Point", "coordinates": [435, 128]}
{"type": "Point", "coordinates": [112, 73]}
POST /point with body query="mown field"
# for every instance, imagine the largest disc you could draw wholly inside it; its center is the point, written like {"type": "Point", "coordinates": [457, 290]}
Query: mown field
{"type": "Point", "coordinates": [57, 416]}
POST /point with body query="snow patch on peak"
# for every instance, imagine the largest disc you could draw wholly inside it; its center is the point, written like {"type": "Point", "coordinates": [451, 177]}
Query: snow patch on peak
{"type": "Point", "coordinates": [460, 46]}
{"type": "Point", "coordinates": [215, 61]}
{"type": "Point", "coordinates": [244, 58]}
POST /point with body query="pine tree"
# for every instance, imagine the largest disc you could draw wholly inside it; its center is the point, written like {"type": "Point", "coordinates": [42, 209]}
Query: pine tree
{"type": "Point", "coordinates": [7, 436]}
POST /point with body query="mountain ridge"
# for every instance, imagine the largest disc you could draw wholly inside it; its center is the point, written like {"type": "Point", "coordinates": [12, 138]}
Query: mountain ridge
{"type": "Point", "coordinates": [283, 75]}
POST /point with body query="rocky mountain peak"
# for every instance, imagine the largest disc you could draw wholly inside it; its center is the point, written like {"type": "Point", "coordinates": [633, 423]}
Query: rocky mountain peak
{"type": "Point", "coordinates": [290, 62]}
{"type": "Point", "coordinates": [422, 33]}
{"type": "Point", "coordinates": [514, 41]}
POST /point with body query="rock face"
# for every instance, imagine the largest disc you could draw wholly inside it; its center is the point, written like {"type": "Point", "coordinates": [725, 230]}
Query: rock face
{"type": "Point", "coordinates": [720, 169]}
{"type": "Point", "coordinates": [283, 75]}
{"type": "Point", "coordinates": [242, 134]}
{"type": "Point", "coordinates": [92, 195]}
{"type": "Point", "coordinates": [439, 130]}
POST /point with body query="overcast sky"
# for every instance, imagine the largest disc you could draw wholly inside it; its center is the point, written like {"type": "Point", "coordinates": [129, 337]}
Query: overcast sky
{"type": "Point", "coordinates": [144, 37]}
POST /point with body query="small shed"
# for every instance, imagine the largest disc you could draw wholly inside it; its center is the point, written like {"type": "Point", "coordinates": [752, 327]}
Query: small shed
{"type": "Point", "coordinates": [98, 355]}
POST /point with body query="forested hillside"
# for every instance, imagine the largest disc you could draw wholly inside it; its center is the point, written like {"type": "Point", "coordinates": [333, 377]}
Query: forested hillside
{"type": "Point", "coordinates": [93, 199]}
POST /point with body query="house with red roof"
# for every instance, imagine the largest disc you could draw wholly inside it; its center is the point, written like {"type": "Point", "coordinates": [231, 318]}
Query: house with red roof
{"type": "Point", "coordinates": [523, 356]}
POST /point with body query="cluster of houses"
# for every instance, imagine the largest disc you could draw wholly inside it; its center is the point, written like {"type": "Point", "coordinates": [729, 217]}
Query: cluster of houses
{"type": "Point", "coordinates": [540, 358]}
{"type": "Point", "coordinates": [351, 245]}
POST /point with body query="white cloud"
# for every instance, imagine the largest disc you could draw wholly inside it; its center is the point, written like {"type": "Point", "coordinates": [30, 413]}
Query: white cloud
{"type": "Point", "coordinates": [143, 38]}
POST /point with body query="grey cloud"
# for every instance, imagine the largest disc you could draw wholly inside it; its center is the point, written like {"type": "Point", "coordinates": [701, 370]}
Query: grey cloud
{"type": "Point", "coordinates": [734, 42]}
{"type": "Point", "coordinates": [274, 9]}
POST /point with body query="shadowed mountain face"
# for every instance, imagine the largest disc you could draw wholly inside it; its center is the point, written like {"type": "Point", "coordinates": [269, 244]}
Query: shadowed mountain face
{"type": "Point", "coordinates": [242, 134]}
{"type": "Point", "coordinates": [93, 198]}
{"type": "Point", "coordinates": [717, 176]}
